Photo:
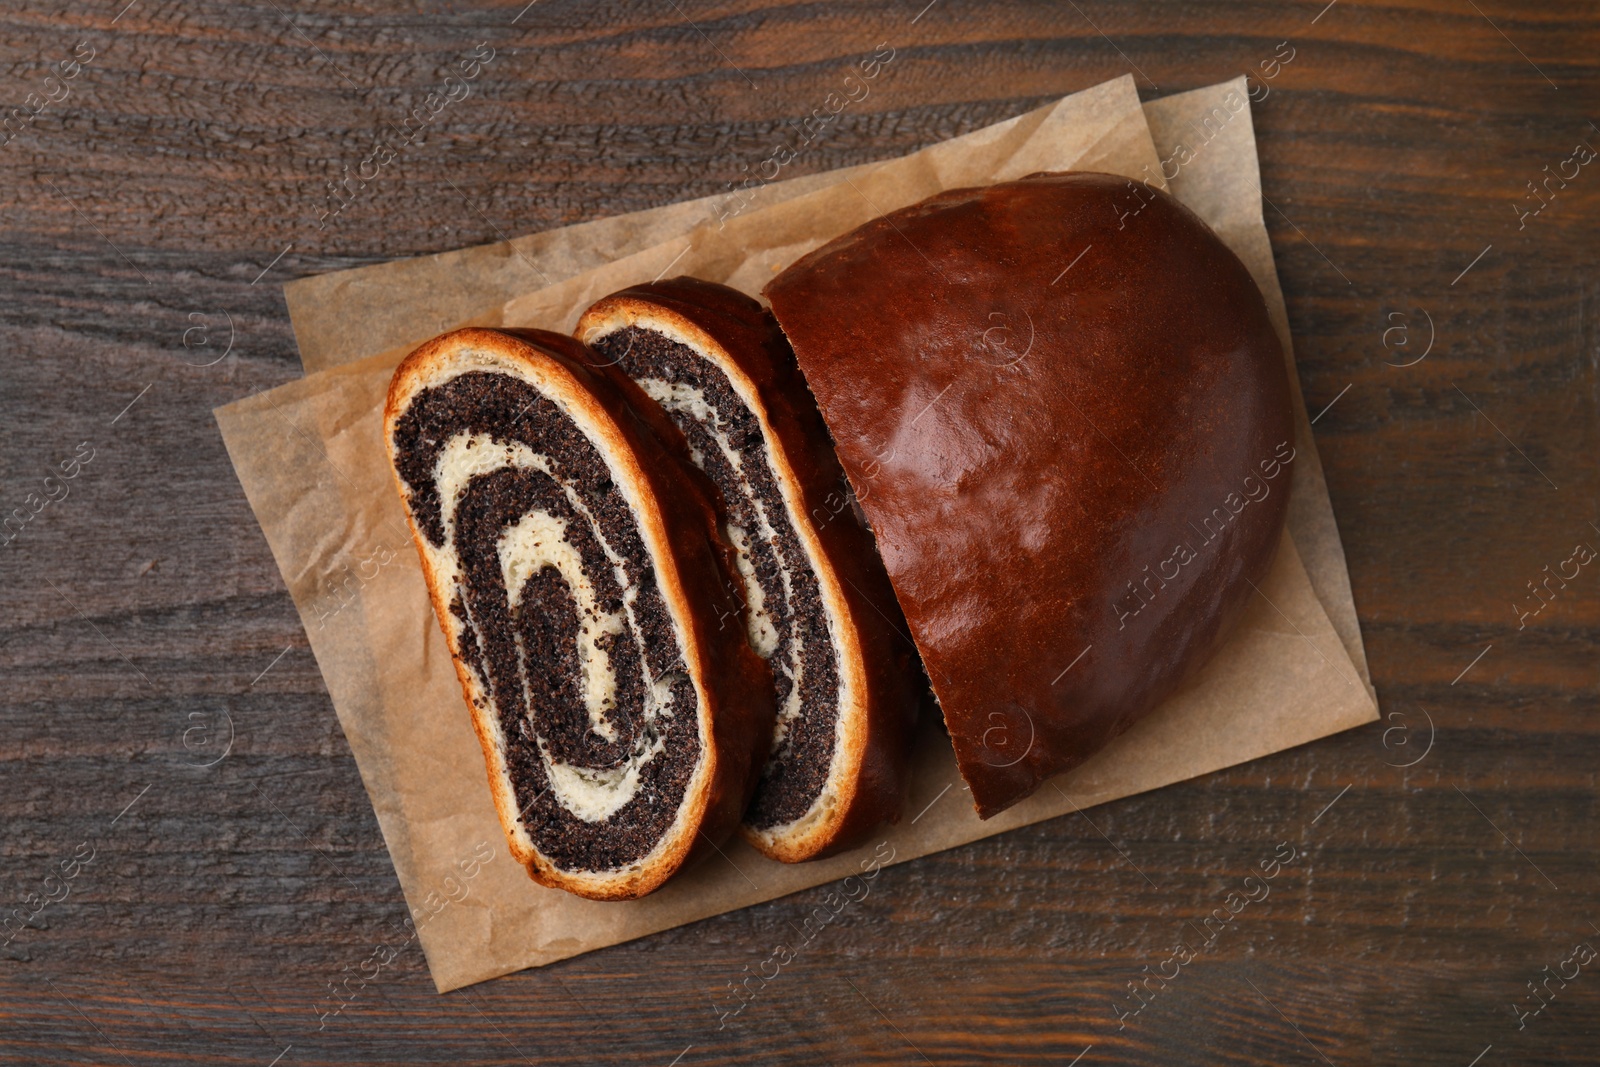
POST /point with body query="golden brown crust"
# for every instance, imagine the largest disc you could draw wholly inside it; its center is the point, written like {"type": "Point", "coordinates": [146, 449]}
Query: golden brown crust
{"type": "Point", "coordinates": [1036, 388]}
{"type": "Point", "coordinates": [677, 521]}
{"type": "Point", "coordinates": [876, 662]}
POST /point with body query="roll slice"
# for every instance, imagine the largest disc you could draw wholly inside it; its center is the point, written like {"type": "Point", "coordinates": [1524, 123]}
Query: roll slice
{"type": "Point", "coordinates": [574, 563]}
{"type": "Point", "coordinates": [821, 610]}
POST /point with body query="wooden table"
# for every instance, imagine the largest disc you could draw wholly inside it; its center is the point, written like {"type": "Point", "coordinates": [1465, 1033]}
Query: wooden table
{"type": "Point", "coordinates": [176, 183]}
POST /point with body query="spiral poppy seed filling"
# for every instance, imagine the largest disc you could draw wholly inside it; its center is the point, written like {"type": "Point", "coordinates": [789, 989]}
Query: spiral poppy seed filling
{"type": "Point", "coordinates": [558, 613]}
{"type": "Point", "coordinates": [787, 620]}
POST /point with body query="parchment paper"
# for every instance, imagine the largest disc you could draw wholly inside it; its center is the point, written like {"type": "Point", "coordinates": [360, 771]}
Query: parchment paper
{"type": "Point", "coordinates": [310, 457]}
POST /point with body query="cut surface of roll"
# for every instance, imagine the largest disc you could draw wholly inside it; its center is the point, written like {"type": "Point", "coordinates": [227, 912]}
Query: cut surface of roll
{"type": "Point", "coordinates": [820, 608]}
{"type": "Point", "coordinates": [1067, 415]}
{"type": "Point", "coordinates": [572, 557]}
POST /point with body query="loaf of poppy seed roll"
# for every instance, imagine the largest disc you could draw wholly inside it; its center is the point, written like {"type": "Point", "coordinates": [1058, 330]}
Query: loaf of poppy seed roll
{"type": "Point", "coordinates": [575, 564]}
{"type": "Point", "coordinates": [820, 607]}
{"type": "Point", "coordinates": [1067, 417]}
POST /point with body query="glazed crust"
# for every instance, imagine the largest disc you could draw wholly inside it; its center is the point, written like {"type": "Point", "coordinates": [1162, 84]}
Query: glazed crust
{"type": "Point", "coordinates": [677, 522]}
{"type": "Point", "coordinates": [1040, 390]}
{"type": "Point", "coordinates": [874, 650]}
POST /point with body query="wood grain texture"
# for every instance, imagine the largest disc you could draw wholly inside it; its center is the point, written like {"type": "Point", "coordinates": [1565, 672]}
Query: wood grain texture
{"type": "Point", "coordinates": [179, 185]}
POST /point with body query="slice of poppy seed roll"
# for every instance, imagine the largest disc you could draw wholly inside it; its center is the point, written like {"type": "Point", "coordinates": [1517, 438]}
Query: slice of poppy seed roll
{"type": "Point", "coordinates": [573, 558]}
{"type": "Point", "coordinates": [821, 610]}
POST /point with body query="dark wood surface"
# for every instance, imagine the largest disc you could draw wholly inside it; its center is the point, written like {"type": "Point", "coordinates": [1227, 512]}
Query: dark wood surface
{"type": "Point", "coordinates": [222, 904]}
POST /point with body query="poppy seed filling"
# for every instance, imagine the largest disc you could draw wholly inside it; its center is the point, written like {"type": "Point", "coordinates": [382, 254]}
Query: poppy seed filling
{"type": "Point", "coordinates": [558, 616]}
{"type": "Point", "coordinates": [788, 623]}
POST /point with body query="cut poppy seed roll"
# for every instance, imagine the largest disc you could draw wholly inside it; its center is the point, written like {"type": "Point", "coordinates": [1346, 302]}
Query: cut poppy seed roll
{"type": "Point", "coordinates": [573, 560]}
{"type": "Point", "coordinates": [1067, 414]}
{"type": "Point", "coordinates": [821, 610]}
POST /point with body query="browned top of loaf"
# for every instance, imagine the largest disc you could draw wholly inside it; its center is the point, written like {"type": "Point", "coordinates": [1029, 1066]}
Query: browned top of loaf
{"type": "Point", "coordinates": [1038, 389]}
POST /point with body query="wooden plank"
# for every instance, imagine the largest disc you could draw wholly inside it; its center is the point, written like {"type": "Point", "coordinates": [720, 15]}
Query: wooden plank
{"type": "Point", "coordinates": [179, 185]}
